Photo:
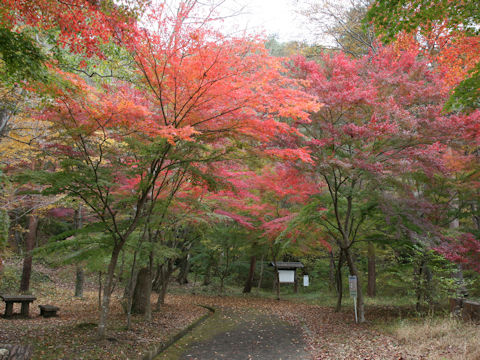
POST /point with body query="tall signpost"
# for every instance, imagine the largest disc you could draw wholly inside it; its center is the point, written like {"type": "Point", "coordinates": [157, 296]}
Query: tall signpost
{"type": "Point", "coordinates": [352, 284]}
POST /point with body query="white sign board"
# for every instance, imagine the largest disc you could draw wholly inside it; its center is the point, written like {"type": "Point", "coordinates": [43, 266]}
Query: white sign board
{"type": "Point", "coordinates": [352, 284]}
{"type": "Point", "coordinates": [306, 281]}
{"type": "Point", "coordinates": [286, 276]}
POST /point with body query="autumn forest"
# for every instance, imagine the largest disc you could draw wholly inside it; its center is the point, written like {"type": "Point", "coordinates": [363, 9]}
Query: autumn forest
{"type": "Point", "coordinates": [163, 177]}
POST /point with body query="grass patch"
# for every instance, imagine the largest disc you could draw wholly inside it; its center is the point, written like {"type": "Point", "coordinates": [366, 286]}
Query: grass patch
{"type": "Point", "coordinates": [439, 337]}
{"type": "Point", "coordinates": [86, 325]}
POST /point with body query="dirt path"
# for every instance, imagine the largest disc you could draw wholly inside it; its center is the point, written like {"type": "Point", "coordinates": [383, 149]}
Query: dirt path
{"type": "Point", "coordinates": [240, 335]}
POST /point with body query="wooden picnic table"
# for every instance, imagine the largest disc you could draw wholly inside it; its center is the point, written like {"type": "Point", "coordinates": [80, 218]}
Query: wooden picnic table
{"type": "Point", "coordinates": [25, 300]}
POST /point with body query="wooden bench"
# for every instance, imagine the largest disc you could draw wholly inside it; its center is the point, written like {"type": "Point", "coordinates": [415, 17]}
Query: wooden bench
{"type": "Point", "coordinates": [48, 310]}
{"type": "Point", "coordinates": [25, 300]}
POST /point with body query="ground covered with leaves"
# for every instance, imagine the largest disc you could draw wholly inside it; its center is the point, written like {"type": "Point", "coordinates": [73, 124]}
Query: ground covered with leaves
{"type": "Point", "coordinates": [239, 333]}
{"type": "Point", "coordinates": [392, 332]}
{"type": "Point", "coordinates": [331, 335]}
{"type": "Point", "coordinates": [72, 335]}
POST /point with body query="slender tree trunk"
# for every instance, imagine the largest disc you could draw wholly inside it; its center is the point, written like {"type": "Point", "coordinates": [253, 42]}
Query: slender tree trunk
{"type": "Point", "coordinates": [277, 276]}
{"type": "Point", "coordinates": [475, 216]}
{"type": "Point", "coordinates": [80, 275]}
{"type": "Point", "coordinates": [354, 271]}
{"type": "Point", "coordinates": [187, 270]}
{"type": "Point", "coordinates": [260, 277]}
{"type": "Point", "coordinates": [100, 290]}
{"type": "Point", "coordinates": [130, 288]}
{"type": "Point", "coordinates": [372, 275]}
{"type": "Point", "coordinates": [122, 268]}
{"type": "Point", "coordinates": [27, 260]}
{"type": "Point", "coordinates": [331, 273]}
{"type": "Point", "coordinates": [339, 283]}
{"type": "Point", "coordinates": [417, 277]}
{"type": "Point", "coordinates": [107, 292]}
{"type": "Point", "coordinates": [161, 295]}
{"type": "Point", "coordinates": [18, 239]}
{"type": "Point", "coordinates": [184, 269]}
{"type": "Point", "coordinates": [207, 278]}
{"type": "Point", "coordinates": [428, 285]}
{"type": "Point", "coordinates": [148, 295]}
{"type": "Point", "coordinates": [461, 288]}
{"type": "Point", "coordinates": [79, 281]}
{"type": "Point", "coordinates": [166, 271]}
{"type": "Point", "coordinates": [222, 284]}
{"type": "Point", "coordinates": [248, 284]}
{"type": "Point", "coordinates": [148, 292]}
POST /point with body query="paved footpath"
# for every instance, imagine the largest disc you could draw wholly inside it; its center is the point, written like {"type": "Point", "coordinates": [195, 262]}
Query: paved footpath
{"type": "Point", "coordinates": [240, 335]}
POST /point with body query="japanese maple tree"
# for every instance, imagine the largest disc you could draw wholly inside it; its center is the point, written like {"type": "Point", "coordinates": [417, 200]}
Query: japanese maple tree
{"type": "Point", "coordinates": [263, 201]}
{"type": "Point", "coordinates": [195, 95]}
{"type": "Point", "coordinates": [377, 126]}
{"type": "Point", "coordinates": [465, 251]}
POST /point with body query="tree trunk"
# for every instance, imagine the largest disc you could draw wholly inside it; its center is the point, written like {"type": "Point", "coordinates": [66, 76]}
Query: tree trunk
{"type": "Point", "coordinates": [222, 284]}
{"type": "Point", "coordinates": [372, 276]}
{"type": "Point", "coordinates": [128, 293]}
{"type": "Point", "coordinates": [331, 274]}
{"type": "Point", "coordinates": [80, 275]}
{"type": "Point", "coordinates": [161, 295]}
{"type": "Point", "coordinates": [260, 277]}
{"type": "Point", "coordinates": [475, 216]}
{"type": "Point", "coordinates": [184, 269]}
{"type": "Point", "coordinates": [99, 290]}
{"type": "Point", "coordinates": [165, 272]}
{"type": "Point", "coordinates": [141, 292]}
{"type": "Point", "coordinates": [107, 292]}
{"type": "Point", "coordinates": [461, 289]}
{"type": "Point", "coordinates": [339, 283]}
{"type": "Point", "coordinates": [277, 277]}
{"type": "Point", "coordinates": [354, 271]}
{"type": "Point", "coordinates": [129, 296]}
{"type": "Point", "coordinates": [27, 260]}
{"type": "Point", "coordinates": [248, 284]}
{"type": "Point", "coordinates": [207, 278]}
{"type": "Point", "coordinates": [79, 281]}
{"type": "Point", "coordinates": [428, 285]}
{"type": "Point", "coordinates": [148, 290]}
{"type": "Point", "coordinates": [417, 279]}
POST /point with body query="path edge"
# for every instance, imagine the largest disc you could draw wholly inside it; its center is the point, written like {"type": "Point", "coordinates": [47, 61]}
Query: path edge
{"type": "Point", "coordinates": [158, 349]}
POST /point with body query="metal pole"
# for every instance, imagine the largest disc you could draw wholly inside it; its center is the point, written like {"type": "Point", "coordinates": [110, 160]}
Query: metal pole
{"type": "Point", "coordinates": [355, 306]}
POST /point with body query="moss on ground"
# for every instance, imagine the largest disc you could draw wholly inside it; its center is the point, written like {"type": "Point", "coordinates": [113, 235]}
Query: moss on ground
{"type": "Point", "coordinates": [216, 324]}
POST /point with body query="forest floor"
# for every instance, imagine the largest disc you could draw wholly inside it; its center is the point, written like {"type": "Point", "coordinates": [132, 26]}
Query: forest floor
{"type": "Point", "coordinates": [309, 331]}
{"type": "Point", "coordinates": [299, 329]}
{"type": "Point", "coordinates": [391, 332]}
{"type": "Point", "coordinates": [237, 333]}
{"type": "Point", "coordinates": [72, 335]}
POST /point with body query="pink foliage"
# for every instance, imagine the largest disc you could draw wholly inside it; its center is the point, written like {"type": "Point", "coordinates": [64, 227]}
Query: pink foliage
{"type": "Point", "coordinates": [465, 250]}
{"type": "Point", "coordinates": [61, 212]}
{"type": "Point", "coordinates": [386, 107]}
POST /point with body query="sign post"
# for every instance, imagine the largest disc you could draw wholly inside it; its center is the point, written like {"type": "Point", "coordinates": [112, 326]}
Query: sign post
{"type": "Point", "coordinates": [352, 284]}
